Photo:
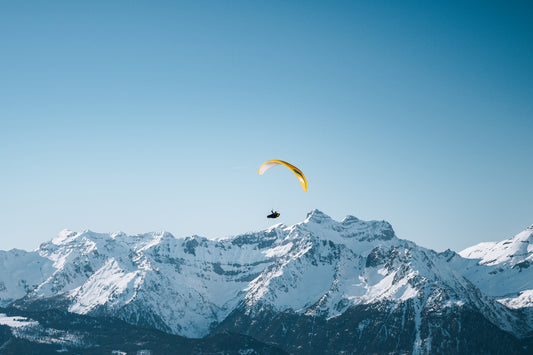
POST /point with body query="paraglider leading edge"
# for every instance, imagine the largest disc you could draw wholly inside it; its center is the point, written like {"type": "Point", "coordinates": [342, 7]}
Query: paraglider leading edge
{"type": "Point", "coordinates": [299, 174]}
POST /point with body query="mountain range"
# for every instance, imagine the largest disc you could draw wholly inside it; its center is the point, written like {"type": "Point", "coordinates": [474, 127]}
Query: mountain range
{"type": "Point", "coordinates": [319, 286]}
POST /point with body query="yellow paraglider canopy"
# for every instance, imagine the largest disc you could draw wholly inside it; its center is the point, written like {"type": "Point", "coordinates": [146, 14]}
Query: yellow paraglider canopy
{"type": "Point", "coordinates": [301, 178]}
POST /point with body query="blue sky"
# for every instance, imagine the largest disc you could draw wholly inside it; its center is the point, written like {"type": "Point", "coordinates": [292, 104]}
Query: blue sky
{"type": "Point", "coordinates": [155, 115]}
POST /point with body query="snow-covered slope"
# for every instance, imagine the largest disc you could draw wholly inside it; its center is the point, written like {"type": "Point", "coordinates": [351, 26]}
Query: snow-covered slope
{"type": "Point", "coordinates": [502, 269]}
{"type": "Point", "coordinates": [344, 264]}
{"type": "Point", "coordinates": [186, 286]}
{"type": "Point", "coordinates": [177, 285]}
{"type": "Point", "coordinates": [21, 272]}
{"type": "Point", "coordinates": [333, 266]}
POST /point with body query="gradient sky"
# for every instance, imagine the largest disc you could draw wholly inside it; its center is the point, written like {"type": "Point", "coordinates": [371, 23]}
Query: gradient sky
{"type": "Point", "coordinates": [155, 115]}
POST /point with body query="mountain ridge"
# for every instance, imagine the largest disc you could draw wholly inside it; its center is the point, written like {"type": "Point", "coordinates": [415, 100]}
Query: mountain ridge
{"type": "Point", "coordinates": [319, 269]}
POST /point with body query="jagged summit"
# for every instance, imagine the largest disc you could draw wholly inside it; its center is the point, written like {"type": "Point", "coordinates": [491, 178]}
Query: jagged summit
{"type": "Point", "coordinates": [349, 220]}
{"type": "Point", "coordinates": [319, 224]}
{"type": "Point", "coordinates": [317, 216]}
{"type": "Point", "coordinates": [64, 236]}
{"type": "Point", "coordinates": [350, 225]}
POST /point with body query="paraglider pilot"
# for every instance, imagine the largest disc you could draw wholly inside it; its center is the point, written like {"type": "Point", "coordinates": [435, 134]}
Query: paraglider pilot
{"type": "Point", "coordinates": [274, 214]}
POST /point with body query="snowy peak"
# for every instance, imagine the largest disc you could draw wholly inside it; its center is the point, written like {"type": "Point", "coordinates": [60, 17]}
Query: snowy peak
{"type": "Point", "coordinates": [507, 252]}
{"type": "Point", "coordinates": [348, 220]}
{"type": "Point", "coordinates": [329, 266]}
{"type": "Point", "coordinates": [65, 236]}
{"type": "Point", "coordinates": [316, 216]}
{"type": "Point", "coordinates": [323, 226]}
{"type": "Point", "coordinates": [503, 269]}
{"type": "Point", "coordinates": [88, 238]}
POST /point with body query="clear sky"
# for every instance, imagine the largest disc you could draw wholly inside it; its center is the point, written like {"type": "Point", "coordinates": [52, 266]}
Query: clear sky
{"type": "Point", "coordinates": [155, 115]}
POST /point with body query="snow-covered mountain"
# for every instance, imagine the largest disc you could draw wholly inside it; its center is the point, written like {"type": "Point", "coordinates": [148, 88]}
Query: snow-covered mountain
{"type": "Point", "coordinates": [21, 272]}
{"type": "Point", "coordinates": [502, 270]}
{"type": "Point", "coordinates": [318, 284]}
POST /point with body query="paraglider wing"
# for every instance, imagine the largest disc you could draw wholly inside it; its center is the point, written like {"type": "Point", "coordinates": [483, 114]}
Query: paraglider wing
{"type": "Point", "coordinates": [301, 177]}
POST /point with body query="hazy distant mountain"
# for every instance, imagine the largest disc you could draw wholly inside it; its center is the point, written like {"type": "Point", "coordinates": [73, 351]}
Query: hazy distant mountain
{"type": "Point", "coordinates": [314, 287]}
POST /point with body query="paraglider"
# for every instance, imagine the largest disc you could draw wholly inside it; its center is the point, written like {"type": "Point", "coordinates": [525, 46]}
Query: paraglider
{"type": "Point", "coordinates": [274, 214]}
{"type": "Point", "coordinates": [299, 174]}
{"type": "Point", "coordinates": [269, 164]}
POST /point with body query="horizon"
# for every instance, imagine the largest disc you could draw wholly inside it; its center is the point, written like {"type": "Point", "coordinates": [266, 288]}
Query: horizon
{"type": "Point", "coordinates": [223, 237]}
